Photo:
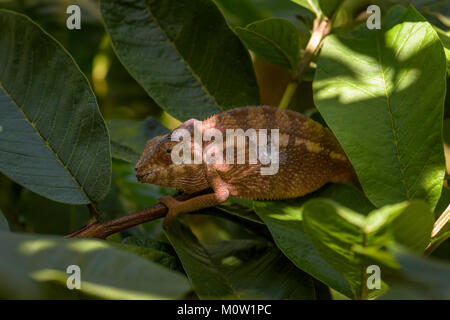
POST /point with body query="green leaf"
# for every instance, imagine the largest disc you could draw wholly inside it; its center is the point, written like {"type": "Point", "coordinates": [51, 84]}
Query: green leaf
{"type": "Point", "coordinates": [382, 93]}
{"type": "Point", "coordinates": [413, 227]}
{"type": "Point", "coordinates": [320, 7]}
{"type": "Point", "coordinates": [241, 268]}
{"type": "Point", "coordinates": [53, 139]}
{"type": "Point", "coordinates": [445, 38]}
{"type": "Point", "coordinates": [40, 215]}
{"type": "Point", "coordinates": [275, 40]}
{"type": "Point", "coordinates": [349, 196]}
{"type": "Point", "coordinates": [443, 202]}
{"type": "Point", "coordinates": [441, 229]}
{"type": "Point", "coordinates": [29, 264]}
{"type": "Point", "coordinates": [128, 137]}
{"type": "Point", "coordinates": [4, 226]}
{"type": "Point", "coordinates": [285, 222]}
{"type": "Point", "coordinates": [183, 54]}
{"type": "Point", "coordinates": [286, 226]}
{"type": "Point", "coordinates": [154, 250]}
{"type": "Point", "coordinates": [339, 234]}
{"type": "Point", "coordinates": [334, 230]}
{"type": "Point", "coordinates": [240, 207]}
{"type": "Point", "coordinates": [241, 12]}
{"type": "Point", "coordinates": [393, 16]}
{"type": "Point", "coordinates": [422, 278]}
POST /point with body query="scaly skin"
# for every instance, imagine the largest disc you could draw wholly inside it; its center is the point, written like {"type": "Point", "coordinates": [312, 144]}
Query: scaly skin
{"type": "Point", "coordinates": [309, 156]}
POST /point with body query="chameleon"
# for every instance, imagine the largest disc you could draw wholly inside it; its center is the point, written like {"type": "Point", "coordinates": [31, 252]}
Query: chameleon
{"type": "Point", "coordinates": [309, 157]}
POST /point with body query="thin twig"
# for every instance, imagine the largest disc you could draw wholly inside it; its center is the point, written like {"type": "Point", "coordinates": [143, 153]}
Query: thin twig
{"type": "Point", "coordinates": [288, 94]}
{"type": "Point", "coordinates": [320, 30]}
{"type": "Point", "coordinates": [93, 214]}
{"type": "Point", "coordinates": [438, 226]}
{"type": "Point", "coordinates": [103, 229]}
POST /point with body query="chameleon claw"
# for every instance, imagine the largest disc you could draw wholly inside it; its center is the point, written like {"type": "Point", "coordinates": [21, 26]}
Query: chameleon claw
{"type": "Point", "coordinates": [173, 209]}
{"type": "Point", "coordinates": [169, 201]}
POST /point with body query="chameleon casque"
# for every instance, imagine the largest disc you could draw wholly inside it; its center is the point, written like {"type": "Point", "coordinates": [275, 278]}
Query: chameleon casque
{"type": "Point", "coordinates": [309, 157]}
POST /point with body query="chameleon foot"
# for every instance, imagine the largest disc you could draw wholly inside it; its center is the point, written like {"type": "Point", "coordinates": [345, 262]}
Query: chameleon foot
{"type": "Point", "coordinates": [173, 209]}
{"type": "Point", "coordinates": [197, 203]}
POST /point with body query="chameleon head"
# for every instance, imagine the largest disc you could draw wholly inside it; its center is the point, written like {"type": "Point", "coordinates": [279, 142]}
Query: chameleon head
{"type": "Point", "coordinates": [157, 167]}
{"type": "Point", "coordinates": [155, 158]}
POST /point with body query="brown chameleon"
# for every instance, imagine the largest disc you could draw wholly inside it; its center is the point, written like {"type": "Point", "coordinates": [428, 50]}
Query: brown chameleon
{"type": "Point", "coordinates": [309, 157]}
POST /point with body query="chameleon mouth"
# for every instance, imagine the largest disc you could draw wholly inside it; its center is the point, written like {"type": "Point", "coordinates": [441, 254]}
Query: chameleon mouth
{"type": "Point", "coordinates": [150, 174]}
{"type": "Point", "coordinates": [146, 175]}
{"type": "Point", "coordinates": [141, 176]}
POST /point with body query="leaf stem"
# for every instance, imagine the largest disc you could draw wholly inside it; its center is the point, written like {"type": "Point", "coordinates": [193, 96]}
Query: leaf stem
{"type": "Point", "coordinates": [321, 29]}
{"type": "Point", "coordinates": [103, 229]}
{"type": "Point", "coordinates": [93, 214]}
{"type": "Point", "coordinates": [288, 94]}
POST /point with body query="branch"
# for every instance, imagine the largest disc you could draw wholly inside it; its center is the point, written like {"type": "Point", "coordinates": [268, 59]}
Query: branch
{"type": "Point", "coordinates": [103, 229]}
{"type": "Point", "coordinates": [438, 227]}
{"type": "Point", "coordinates": [320, 31]}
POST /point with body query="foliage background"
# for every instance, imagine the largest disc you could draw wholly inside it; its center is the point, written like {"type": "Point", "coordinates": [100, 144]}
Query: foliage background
{"type": "Point", "coordinates": [239, 249]}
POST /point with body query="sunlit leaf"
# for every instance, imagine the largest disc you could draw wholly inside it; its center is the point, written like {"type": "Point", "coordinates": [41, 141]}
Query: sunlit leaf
{"type": "Point", "coordinates": [336, 232]}
{"type": "Point", "coordinates": [382, 93]}
{"type": "Point", "coordinates": [285, 222]}
{"type": "Point", "coordinates": [445, 38]}
{"type": "Point", "coordinates": [31, 266]}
